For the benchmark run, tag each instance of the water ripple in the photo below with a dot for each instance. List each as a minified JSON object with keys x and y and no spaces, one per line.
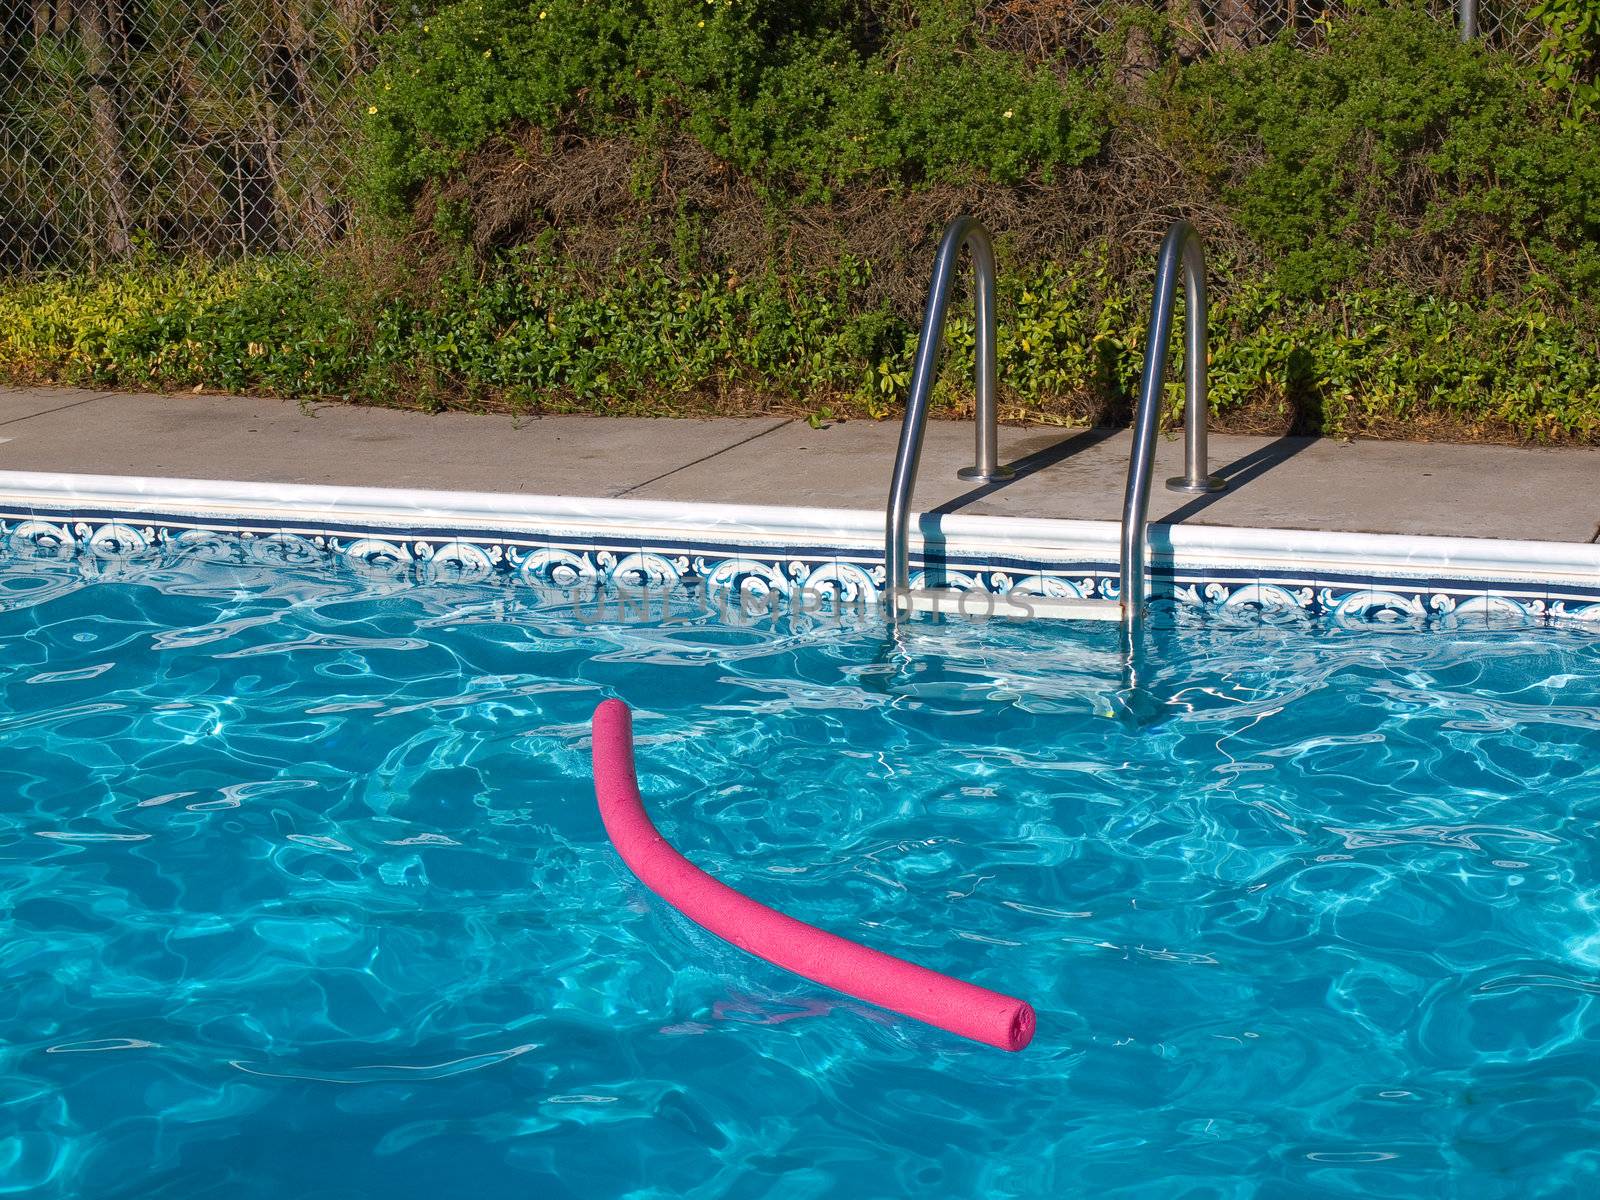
{"x":383,"y":1072}
{"x":1313,"y":912}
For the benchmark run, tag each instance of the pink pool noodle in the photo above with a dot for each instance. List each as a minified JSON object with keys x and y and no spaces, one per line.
{"x":892,"y":983}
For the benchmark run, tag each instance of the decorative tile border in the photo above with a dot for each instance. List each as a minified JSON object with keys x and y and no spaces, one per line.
{"x":560,"y":547}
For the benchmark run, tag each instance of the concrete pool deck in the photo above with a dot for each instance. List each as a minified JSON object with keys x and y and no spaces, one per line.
{"x":1542,"y":494}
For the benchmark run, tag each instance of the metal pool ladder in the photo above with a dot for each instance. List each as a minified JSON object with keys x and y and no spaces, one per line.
{"x":1180,"y":249}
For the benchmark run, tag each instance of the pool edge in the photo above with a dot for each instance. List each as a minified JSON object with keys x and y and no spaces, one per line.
{"x":563,"y":539}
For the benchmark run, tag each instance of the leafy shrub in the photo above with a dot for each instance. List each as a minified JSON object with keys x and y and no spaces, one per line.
{"x":1568,"y":62}
{"x":1397,"y":137}
{"x":277,"y":325}
{"x":780,"y":90}
{"x":1396,"y":150}
{"x":533,"y":336}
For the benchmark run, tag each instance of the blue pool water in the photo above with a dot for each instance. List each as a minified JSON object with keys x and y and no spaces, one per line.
{"x":303,"y":893}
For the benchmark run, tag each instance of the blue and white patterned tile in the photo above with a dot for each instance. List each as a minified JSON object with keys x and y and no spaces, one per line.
{"x":1515,"y":612}
{"x":1073,"y":579}
{"x":44,"y":536}
{"x":846,"y":589}
{"x":1276,"y":594}
{"x":858,"y":576}
{"x":1585,"y":616}
{"x":1574,"y":605}
{"x":1485,"y":604}
{"x":760,"y":586}
{"x":459,"y":560}
{"x":1379,"y":603}
{"x":293,"y":549}
{"x":186,"y":544}
{"x":1234,"y":590}
{"x":22,"y":533}
{"x":656,"y":583}
{"x":45,"y":562}
{"x":779,"y":575}
{"x":1454,"y":602}
{"x":1051,"y":583}
{"x":294,"y":540}
{"x":548,"y":567}
{"x":380,"y":557}
{"x":1359,"y":597}
{"x":1515,"y":605}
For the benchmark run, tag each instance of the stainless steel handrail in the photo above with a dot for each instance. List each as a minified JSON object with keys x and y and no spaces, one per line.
{"x":1180,"y":247}
{"x":962,"y":232}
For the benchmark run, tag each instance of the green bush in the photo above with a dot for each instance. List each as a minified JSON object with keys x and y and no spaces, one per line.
{"x":533,"y":336}
{"x":1396,"y":149}
{"x":1398,"y":134}
{"x":780,"y":90}
{"x":281,"y":326}
{"x":1568,"y":62}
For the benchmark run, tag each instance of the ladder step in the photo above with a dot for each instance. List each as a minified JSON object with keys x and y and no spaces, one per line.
{"x":984,"y":604}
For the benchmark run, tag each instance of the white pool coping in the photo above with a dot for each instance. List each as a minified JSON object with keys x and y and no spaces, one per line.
{"x":314,"y":508}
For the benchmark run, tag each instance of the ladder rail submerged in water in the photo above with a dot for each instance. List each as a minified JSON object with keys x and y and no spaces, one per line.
{"x":1180,"y":251}
{"x":962,"y":233}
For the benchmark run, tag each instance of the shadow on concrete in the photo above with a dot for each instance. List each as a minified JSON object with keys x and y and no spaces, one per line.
{"x":45,"y":412}
{"x":1032,"y":464}
{"x":1240,"y":472}
{"x":928,"y":523}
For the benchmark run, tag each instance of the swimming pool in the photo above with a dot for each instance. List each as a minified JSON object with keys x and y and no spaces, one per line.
{"x":303,"y":892}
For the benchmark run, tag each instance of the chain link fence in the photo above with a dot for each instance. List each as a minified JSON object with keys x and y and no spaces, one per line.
{"x":217,"y":127}
{"x":188,"y":126}
{"x":1075,"y":30}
